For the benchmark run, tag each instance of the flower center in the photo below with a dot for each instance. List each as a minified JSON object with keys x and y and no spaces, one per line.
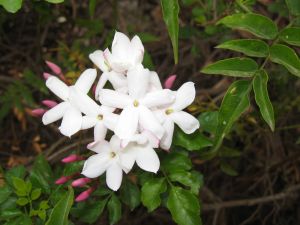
{"x":169,"y":111}
{"x":113,"y":154}
{"x":100,"y":117}
{"x":136,"y":103}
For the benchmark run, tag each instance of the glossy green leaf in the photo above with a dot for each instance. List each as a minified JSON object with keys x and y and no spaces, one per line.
{"x":170,"y":10}
{"x":184,"y":207}
{"x":294,"y":6}
{"x":193,"y":179}
{"x":59,"y":214}
{"x":55,"y":1}
{"x":19,"y":184}
{"x":151,"y":192}
{"x":260,"y":87}
{"x":11,"y":6}
{"x":209,"y":121}
{"x":36,"y":193}
{"x":235,"y":102}
{"x":287,"y":57}
{"x":114,"y":209}
{"x":191,"y":142}
{"x":256,"y":24}
{"x":22,"y":201}
{"x":5,"y":192}
{"x":130,"y":194}
{"x":250,"y":47}
{"x":176,"y":161}
{"x":291,"y":35}
{"x":235,"y":67}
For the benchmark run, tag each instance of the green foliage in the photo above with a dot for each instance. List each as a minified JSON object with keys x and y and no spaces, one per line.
{"x":114,"y":209}
{"x":291,"y":35}
{"x":294,"y":6}
{"x":130,"y":194}
{"x":236,"y":67}
{"x":170,"y":9}
{"x":11,"y":6}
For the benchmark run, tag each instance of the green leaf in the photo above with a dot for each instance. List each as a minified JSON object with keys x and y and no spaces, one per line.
{"x":19,"y":184}
{"x":6,"y":214}
{"x":250,"y":47}
{"x":20,"y":220}
{"x":114,"y":209}
{"x":44,"y":205}
{"x":193,"y":179}
{"x":41,"y":174}
{"x":229,"y":152}
{"x":5,"y":192}
{"x":256,"y":24}
{"x":228,"y":169}
{"x":55,"y":1}
{"x":176,"y":161}
{"x":130,"y":194}
{"x":209,"y":121}
{"x":18,"y":171}
{"x":191,"y":142}
{"x":92,"y":7}
{"x":60,"y":212}
{"x":89,"y":212}
{"x":22,"y":201}
{"x":291,"y":35}
{"x":235,"y":102}
{"x":184,"y":207}
{"x":11,"y":6}
{"x":170,"y":10}
{"x":236,"y":67}
{"x":151,"y":192}
{"x":287,"y":57}
{"x":36,"y":193}
{"x":42,"y":214}
{"x":260,"y":87}
{"x":294,"y":6}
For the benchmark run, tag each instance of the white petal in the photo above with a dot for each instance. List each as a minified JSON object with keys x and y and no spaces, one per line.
{"x":128,"y":123}
{"x":158,"y":98}
{"x":115,"y":143}
{"x":155,"y":81}
{"x":147,"y":159}
{"x":88,"y":122}
{"x":127,"y":159}
{"x":114,"y":175}
{"x":99,"y":146}
{"x":151,"y":138}
{"x":59,"y":88}
{"x":98,"y":59}
{"x":118,"y":80}
{"x":102,"y":81}
{"x":110,"y":120}
{"x":100,"y":131}
{"x":148,"y":121}
{"x":96,"y":165}
{"x":120,"y":45}
{"x":166,"y":141}
{"x":86,"y":80}
{"x":114,"y":99}
{"x":138,"y":82}
{"x":71,"y":122}
{"x":185,"y":121}
{"x":84,"y":103}
{"x":185,"y":95}
{"x":137,"y":49}
{"x":55,"y":113}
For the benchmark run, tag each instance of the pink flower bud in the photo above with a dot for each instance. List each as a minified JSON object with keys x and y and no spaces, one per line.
{"x":94,"y":90}
{"x":55,"y":68}
{"x":46,"y":75}
{"x":170,"y":81}
{"x":62,"y":179}
{"x":49,"y":103}
{"x":72,"y":158}
{"x":38,"y":112}
{"x":84,"y":195}
{"x":81,"y":182}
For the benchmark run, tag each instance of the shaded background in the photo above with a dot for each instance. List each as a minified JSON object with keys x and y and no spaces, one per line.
{"x":258,"y":184}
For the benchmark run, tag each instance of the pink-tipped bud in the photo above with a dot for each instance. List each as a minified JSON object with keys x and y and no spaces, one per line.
{"x":94,"y":90}
{"x":55,"y":68}
{"x":38,"y":112}
{"x":170,"y":81}
{"x":49,"y":103}
{"x":46,"y":75}
{"x":62,"y":180}
{"x":81,"y":182}
{"x":84,"y":195}
{"x":72,"y":158}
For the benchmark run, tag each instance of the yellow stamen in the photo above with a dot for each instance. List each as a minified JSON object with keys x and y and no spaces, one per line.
{"x":112,"y":154}
{"x":135,"y":103}
{"x":169,"y":111}
{"x":100,"y":117}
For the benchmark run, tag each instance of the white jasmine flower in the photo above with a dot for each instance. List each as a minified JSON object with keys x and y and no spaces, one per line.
{"x":185,"y":95}
{"x":72,"y":97}
{"x":137,"y":104}
{"x":110,"y":158}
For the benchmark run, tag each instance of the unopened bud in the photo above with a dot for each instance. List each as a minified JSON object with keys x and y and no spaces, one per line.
{"x":84,"y":195}
{"x":55,"y":68}
{"x":72,"y":158}
{"x":46,"y":75}
{"x":38,"y":112}
{"x":170,"y":81}
{"x":81,"y":182}
{"x":49,"y":103}
{"x":62,"y":180}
